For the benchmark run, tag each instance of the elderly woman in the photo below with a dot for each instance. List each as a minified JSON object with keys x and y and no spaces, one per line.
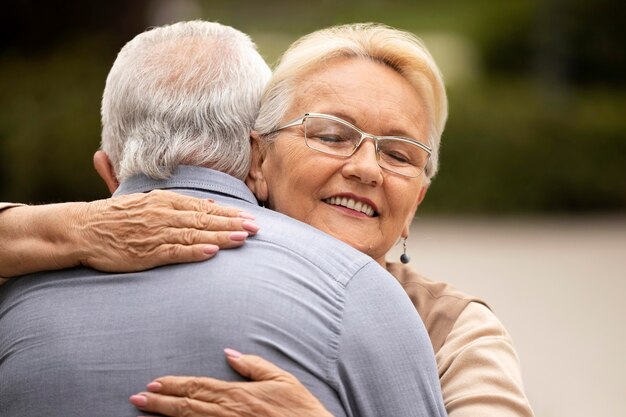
{"x":347,"y":141}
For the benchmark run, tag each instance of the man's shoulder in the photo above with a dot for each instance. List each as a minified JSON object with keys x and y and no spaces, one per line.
{"x":325,"y":252}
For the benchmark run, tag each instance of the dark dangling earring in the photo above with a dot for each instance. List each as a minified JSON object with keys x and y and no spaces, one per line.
{"x":404,"y":258}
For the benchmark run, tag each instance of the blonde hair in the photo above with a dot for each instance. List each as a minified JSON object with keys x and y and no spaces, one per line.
{"x":402,"y":51}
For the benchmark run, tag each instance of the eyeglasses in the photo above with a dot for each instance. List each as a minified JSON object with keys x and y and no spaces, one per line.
{"x":335,"y":136}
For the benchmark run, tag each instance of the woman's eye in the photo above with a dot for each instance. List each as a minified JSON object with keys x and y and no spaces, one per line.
{"x":398,"y":157}
{"x":330,"y":138}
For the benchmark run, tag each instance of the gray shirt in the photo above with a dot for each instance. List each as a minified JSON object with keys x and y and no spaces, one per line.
{"x":78,"y":342}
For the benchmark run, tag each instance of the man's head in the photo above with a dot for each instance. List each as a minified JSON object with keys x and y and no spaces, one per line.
{"x":186,"y":93}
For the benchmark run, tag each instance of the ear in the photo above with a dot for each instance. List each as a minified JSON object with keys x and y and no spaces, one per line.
{"x":418,"y":201}
{"x":256,"y":178}
{"x":103,"y":166}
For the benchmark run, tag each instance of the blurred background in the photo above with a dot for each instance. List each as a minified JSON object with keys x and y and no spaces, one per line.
{"x":528,"y":210}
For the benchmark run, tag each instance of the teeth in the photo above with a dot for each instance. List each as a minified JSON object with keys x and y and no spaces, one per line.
{"x":351,"y":204}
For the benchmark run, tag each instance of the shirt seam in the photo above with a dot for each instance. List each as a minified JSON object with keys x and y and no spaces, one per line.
{"x":333,"y":360}
{"x":331,"y":368}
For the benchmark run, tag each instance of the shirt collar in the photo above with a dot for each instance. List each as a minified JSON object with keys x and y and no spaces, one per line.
{"x":189,"y":177}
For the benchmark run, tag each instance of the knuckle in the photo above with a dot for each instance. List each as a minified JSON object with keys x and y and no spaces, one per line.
{"x":223,"y":240}
{"x":229,"y":211}
{"x":235,"y":223}
{"x":174,"y":251}
{"x":238,"y":394}
{"x":153,"y":195}
{"x":188,"y":236}
{"x":186,"y":407}
{"x":205,"y":206}
{"x":162,"y":198}
{"x":193,"y":388}
{"x":204,"y":221}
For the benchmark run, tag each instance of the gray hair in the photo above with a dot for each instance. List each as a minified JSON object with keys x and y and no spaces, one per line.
{"x":186,"y":93}
{"x":400,"y":50}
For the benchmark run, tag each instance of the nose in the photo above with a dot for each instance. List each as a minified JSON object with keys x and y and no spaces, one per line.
{"x":363,"y":165}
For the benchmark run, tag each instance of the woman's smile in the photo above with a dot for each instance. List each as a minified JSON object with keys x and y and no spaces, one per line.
{"x":353,"y":205}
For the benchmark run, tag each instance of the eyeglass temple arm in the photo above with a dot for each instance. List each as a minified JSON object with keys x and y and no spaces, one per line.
{"x":291,"y":123}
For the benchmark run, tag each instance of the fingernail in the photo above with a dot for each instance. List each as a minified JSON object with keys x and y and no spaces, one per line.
{"x":138,"y":400}
{"x":210,"y":249}
{"x":238,"y":236}
{"x":250,"y":226}
{"x":154,"y":386}
{"x":245,"y":215}
{"x":232,"y":353}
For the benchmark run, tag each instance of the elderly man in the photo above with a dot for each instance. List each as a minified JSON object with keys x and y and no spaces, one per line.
{"x":177,"y":110}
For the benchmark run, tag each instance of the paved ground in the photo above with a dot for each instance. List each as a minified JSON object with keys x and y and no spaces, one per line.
{"x":559,"y":286}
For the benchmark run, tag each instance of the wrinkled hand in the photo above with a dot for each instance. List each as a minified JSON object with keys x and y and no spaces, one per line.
{"x":141,"y":231}
{"x":272,"y":393}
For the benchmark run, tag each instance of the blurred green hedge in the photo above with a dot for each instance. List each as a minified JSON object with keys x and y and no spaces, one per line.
{"x":539,"y":127}
{"x":509,"y":148}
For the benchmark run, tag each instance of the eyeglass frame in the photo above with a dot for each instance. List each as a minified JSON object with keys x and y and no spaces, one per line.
{"x":364,"y":135}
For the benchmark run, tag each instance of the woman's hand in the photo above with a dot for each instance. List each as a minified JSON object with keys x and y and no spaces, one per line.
{"x":272,"y":393}
{"x":141,"y":231}
{"x":121,"y":234}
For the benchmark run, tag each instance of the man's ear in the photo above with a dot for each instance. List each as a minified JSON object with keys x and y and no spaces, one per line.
{"x":256,"y":178}
{"x":418,"y":201}
{"x":103,"y":166}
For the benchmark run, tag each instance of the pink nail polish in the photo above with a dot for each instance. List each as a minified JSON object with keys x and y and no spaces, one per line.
{"x":210,"y":249}
{"x":138,"y":400}
{"x":238,"y":236}
{"x":250,"y":226}
{"x":245,"y":215}
{"x":232,"y":353}
{"x":154,"y":386}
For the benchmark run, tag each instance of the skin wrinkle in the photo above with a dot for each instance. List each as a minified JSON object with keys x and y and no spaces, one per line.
{"x":318,"y":86}
{"x":375,"y":97}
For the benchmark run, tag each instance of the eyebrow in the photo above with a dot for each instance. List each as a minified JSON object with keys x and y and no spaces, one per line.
{"x":403,"y":134}
{"x":348,"y":118}
{"x":340,"y":115}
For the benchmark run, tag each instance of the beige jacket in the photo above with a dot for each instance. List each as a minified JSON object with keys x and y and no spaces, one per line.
{"x":478,"y":367}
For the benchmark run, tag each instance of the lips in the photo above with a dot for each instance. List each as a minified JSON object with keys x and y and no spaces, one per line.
{"x":352,"y":204}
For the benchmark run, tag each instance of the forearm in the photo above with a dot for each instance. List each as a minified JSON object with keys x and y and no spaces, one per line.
{"x":479,"y":349}
{"x":121,"y":234}
{"x":37,"y":238}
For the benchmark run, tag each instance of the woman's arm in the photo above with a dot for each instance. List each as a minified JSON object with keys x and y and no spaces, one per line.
{"x":121,"y":234}
{"x":272,"y":393}
{"x":480,"y":350}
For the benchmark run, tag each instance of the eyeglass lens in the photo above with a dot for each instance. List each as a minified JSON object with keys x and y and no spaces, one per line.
{"x":336,"y":138}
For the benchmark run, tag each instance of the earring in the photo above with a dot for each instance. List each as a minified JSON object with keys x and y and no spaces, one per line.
{"x":404,"y":258}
